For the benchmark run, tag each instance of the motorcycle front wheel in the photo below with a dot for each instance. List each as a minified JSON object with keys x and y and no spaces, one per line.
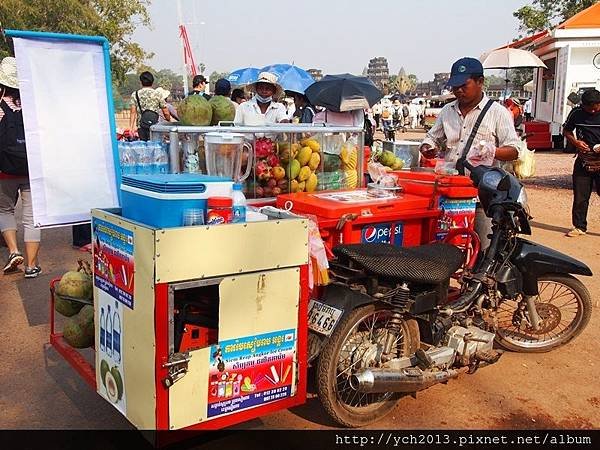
{"x":356,"y":343}
{"x":564,"y":306}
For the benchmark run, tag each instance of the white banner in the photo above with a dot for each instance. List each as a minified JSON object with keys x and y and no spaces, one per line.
{"x":67,"y":129}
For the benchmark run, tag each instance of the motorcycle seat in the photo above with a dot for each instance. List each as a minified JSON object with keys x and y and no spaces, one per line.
{"x":427,"y":264}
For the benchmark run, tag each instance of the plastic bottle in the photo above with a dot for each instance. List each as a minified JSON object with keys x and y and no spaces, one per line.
{"x":239,"y":204}
{"x":109,"y":326}
{"x":116,"y":335}
{"x":160,"y":158}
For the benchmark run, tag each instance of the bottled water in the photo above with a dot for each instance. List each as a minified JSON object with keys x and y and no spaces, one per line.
{"x":145,"y":156}
{"x":239,"y":204}
{"x":127,"y":158}
{"x":160,"y":158}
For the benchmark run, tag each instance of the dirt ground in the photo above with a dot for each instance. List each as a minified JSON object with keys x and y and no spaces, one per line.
{"x":523,"y":391}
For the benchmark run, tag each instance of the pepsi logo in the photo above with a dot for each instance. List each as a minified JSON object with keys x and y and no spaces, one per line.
{"x":370,"y":234}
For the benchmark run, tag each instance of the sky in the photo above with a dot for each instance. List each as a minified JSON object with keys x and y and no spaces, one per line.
{"x":336,"y":36}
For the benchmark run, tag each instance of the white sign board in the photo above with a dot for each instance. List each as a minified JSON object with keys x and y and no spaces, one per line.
{"x":68,"y":128}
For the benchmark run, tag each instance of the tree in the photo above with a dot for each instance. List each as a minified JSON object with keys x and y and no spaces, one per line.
{"x":545,"y":14}
{"x":114,"y":19}
{"x":212,"y":79}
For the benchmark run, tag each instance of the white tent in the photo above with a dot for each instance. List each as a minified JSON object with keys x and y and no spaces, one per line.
{"x":528,"y":87}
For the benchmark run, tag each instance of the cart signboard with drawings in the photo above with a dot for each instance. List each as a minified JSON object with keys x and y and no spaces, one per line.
{"x":251,"y":371}
{"x":456,"y":213}
{"x":111,"y":385}
{"x":113,"y":261}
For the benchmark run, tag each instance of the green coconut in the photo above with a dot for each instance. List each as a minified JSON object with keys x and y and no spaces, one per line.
{"x":75,"y":335}
{"x":66,"y":307}
{"x":104,"y":368}
{"x":75,"y":284}
{"x":118,"y":380}
{"x":85,"y":320}
{"x":195,"y":110}
{"x":222,"y":109}
{"x":112,"y":391}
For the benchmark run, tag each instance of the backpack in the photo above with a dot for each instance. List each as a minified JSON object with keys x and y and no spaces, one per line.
{"x":13,"y":154}
{"x":405,"y":111}
{"x":385,"y":114}
{"x":396,"y":115}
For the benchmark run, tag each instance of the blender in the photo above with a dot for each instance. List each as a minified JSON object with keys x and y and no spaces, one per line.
{"x":224,"y":155}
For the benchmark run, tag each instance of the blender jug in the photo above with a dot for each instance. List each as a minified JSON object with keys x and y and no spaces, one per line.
{"x":224,"y":155}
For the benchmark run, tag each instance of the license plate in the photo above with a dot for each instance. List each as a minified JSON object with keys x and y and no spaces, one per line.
{"x":322,"y":318}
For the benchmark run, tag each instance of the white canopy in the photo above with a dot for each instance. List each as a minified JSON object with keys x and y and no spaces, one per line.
{"x":510,"y":58}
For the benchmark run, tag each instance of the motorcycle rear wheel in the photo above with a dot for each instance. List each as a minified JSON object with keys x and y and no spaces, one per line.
{"x":563,"y":304}
{"x":347,"y":350}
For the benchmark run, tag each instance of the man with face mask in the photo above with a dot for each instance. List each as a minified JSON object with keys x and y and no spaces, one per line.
{"x":263,"y":107}
{"x":467,"y":121}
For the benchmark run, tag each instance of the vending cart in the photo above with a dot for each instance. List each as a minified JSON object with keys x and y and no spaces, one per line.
{"x":198,"y":327}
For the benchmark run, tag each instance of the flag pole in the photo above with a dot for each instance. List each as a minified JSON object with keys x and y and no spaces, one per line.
{"x":185,"y":74}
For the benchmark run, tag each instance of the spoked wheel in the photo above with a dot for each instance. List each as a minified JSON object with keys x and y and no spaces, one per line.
{"x":357,"y":343}
{"x":565,"y":308}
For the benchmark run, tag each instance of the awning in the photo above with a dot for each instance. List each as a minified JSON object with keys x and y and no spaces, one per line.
{"x":528,"y":87}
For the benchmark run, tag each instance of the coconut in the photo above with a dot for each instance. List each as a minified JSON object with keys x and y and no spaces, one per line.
{"x":195,"y":110}
{"x":222,"y":109}
{"x":75,"y":284}
{"x":118,"y":380}
{"x":85,"y":320}
{"x":75,"y":335}
{"x":103,"y":370}
{"x":112,"y":392}
{"x":66,"y":307}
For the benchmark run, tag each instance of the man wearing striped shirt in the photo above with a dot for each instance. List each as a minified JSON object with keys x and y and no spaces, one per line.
{"x":457,"y":119}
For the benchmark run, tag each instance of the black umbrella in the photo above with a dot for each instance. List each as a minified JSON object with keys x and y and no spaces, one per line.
{"x":343,"y":92}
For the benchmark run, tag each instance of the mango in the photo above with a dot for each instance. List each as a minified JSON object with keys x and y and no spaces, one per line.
{"x":293,"y":169}
{"x":278,"y":172}
{"x":294,"y":150}
{"x":301,"y":186}
{"x":314,"y":161}
{"x":304,"y":174}
{"x":311,"y":183}
{"x":294,"y":186}
{"x":314,"y":145}
{"x":304,"y":155}
{"x":398,"y":164}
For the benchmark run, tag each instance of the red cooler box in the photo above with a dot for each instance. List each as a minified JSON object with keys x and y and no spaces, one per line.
{"x":454,"y":195}
{"x":352,"y":217}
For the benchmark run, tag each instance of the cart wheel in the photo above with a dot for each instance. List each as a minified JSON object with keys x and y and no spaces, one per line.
{"x":468,"y":241}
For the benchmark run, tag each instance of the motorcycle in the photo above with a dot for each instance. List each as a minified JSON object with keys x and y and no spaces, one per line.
{"x":386,"y":327}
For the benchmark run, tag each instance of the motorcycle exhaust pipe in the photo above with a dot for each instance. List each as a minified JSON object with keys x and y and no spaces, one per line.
{"x":409,"y":379}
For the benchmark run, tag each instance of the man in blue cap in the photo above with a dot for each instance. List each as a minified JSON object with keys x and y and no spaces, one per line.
{"x":467,"y":121}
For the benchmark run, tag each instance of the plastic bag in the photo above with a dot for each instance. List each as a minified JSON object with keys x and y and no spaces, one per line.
{"x":482,"y":154}
{"x":524,"y":167}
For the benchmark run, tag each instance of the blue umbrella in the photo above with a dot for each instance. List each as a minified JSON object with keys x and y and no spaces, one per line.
{"x":296,"y":80}
{"x":277,"y":69}
{"x":243,"y":76}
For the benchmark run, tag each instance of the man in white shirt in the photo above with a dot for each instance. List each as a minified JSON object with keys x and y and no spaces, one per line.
{"x":413,"y":114}
{"x":263,"y":107}
{"x":457,"y":119}
{"x":527,"y":108}
{"x":377,"y":113}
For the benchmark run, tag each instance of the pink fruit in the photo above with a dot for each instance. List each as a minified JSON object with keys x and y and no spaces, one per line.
{"x":260,"y":192}
{"x":263,"y":170}
{"x":263,"y":147}
{"x":276,"y":191}
{"x":272,"y":183}
{"x":282,"y":184}
{"x":267,"y":191}
{"x":273,"y":160}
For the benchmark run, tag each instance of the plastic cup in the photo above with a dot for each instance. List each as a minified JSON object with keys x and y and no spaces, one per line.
{"x":193,"y":217}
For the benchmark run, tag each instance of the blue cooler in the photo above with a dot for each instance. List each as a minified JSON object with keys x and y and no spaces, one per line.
{"x":159,"y":200}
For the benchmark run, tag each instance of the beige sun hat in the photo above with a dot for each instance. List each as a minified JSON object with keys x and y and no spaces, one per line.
{"x":8,"y":72}
{"x":269,"y":78}
{"x":162,"y":92}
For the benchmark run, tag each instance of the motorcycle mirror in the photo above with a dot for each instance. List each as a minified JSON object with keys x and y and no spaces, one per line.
{"x":504,"y":184}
